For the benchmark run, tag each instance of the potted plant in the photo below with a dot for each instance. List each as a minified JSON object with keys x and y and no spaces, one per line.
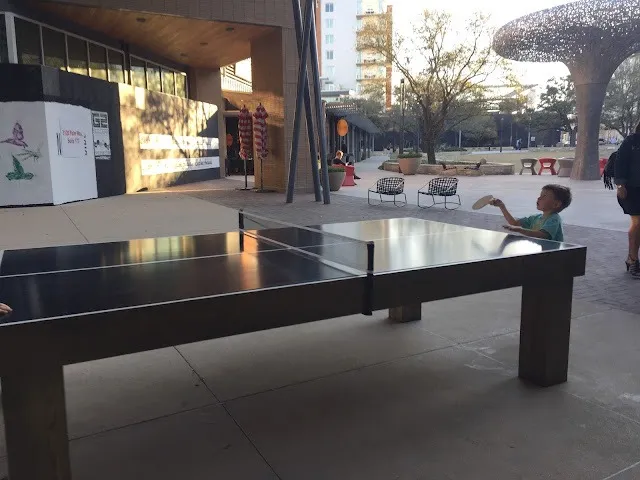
{"x":409,"y":162}
{"x":336,"y":177}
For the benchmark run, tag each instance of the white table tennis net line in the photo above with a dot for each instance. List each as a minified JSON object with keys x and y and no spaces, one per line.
{"x":339,"y":266}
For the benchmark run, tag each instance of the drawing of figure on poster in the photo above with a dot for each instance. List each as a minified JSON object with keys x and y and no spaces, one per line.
{"x":20,"y":152}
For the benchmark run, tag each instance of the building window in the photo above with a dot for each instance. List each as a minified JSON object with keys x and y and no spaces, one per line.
{"x":116,"y":66}
{"x":328,"y":23}
{"x":138,"y":73}
{"x":78,"y":62}
{"x":98,"y":61}
{"x":328,"y":39}
{"x":4,"y":47}
{"x":55,"y":48}
{"x":168,"y":82}
{"x":331,"y":70}
{"x":328,"y":7}
{"x":329,"y":54}
{"x":154,"y":80}
{"x":28,"y":42}
{"x":181,"y":85}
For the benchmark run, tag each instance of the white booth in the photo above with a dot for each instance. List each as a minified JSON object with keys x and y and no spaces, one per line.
{"x":47,"y":154}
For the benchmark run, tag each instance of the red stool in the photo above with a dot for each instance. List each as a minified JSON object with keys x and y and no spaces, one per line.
{"x":547,"y":164}
{"x":349,"y":180}
{"x":602,"y":163}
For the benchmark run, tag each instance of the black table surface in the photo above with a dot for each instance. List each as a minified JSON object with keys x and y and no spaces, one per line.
{"x":54,"y":282}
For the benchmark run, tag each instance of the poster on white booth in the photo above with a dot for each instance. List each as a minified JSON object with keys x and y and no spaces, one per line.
{"x":72,"y":135}
{"x":101,"y":141}
{"x":73,"y":166}
{"x":25,"y":174}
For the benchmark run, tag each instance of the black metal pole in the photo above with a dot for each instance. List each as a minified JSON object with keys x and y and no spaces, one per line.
{"x":315,"y":69}
{"x":401,"y":151}
{"x":297,"y":16}
{"x":302,"y":77}
{"x":501,"y":130}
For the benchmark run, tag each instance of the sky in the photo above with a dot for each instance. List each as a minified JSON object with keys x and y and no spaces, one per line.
{"x":501,"y":11}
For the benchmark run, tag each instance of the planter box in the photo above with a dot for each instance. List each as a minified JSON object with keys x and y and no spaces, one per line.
{"x":391,"y":167}
{"x":335,"y":180}
{"x":457,"y":168}
{"x":409,"y":166}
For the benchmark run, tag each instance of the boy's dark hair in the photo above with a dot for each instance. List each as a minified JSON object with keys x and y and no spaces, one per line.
{"x":561,"y":194}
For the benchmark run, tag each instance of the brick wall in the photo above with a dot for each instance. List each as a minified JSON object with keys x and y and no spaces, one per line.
{"x":142,"y":111}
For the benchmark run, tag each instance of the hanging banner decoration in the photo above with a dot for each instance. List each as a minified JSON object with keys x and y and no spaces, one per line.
{"x":260,"y":132}
{"x":342,"y":127}
{"x":245,"y":131}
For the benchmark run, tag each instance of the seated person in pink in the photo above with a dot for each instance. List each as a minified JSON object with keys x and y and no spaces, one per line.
{"x":338,"y":161}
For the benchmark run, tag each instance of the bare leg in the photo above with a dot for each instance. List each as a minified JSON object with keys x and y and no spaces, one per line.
{"x":634,"y":237}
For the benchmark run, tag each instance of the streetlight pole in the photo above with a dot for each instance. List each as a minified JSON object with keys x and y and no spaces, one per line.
{"x":401,"y":151}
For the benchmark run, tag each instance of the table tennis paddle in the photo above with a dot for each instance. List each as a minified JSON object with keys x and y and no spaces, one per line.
{"x":482,"y":202}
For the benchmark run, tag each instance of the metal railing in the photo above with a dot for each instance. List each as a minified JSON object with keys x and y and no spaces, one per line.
{"x":232,"y":83}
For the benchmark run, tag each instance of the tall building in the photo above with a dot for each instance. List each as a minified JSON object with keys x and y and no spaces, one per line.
{"x":344,"y":67}
{"x":338,"y":41}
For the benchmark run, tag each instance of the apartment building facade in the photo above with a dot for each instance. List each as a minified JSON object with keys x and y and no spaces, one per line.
{"x":344,"y":66}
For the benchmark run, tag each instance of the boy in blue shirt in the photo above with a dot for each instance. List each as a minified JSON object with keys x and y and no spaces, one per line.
{"x":546,"y":225}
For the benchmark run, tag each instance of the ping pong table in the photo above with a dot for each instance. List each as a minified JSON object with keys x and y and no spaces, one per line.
{"x":84,"y":302}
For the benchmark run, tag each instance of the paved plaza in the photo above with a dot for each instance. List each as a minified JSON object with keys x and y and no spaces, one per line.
{"x":358,"y":397}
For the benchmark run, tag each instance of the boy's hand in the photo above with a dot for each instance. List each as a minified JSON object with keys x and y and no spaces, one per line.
{"x":512,"y":228}
{"x":4,"y":309}
{"x":496,"y":202}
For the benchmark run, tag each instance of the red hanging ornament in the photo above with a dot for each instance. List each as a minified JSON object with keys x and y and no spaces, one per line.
{"x":245,"y":132}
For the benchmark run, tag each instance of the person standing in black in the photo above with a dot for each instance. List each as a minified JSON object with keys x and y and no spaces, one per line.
{"x":627,"y":179}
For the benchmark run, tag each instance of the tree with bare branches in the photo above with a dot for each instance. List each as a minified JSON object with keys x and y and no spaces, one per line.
{"x":445,"y":70}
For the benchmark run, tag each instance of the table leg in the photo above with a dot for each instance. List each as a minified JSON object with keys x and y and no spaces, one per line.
{"x":545,"y":327}
{"x":36,"y":424}
{"x":406,"y":313}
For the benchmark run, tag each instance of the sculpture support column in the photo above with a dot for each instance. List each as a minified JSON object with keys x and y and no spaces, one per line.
{"x":589,"y":101}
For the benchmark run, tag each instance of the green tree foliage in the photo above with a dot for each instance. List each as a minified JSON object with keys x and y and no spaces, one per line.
{"x":621,"y":110}
{"x":444,"y":70}
{"x":558,"y":102}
